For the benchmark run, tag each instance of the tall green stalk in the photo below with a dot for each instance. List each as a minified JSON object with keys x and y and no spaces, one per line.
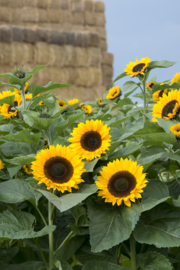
{"x":51,"y":242}
{"x":133,"y":252}
{"x":23,"y":98}
{"x":144,"y":93}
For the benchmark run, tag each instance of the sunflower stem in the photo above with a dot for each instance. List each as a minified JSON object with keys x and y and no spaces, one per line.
{"x":69,"y":235}
{"x":144,"y":93}
{"x":23,"y":98}
{"x":51,"y":245}
{"x":42,"y":255}
{"x":133,"y":252}
{"x":45,"y":223}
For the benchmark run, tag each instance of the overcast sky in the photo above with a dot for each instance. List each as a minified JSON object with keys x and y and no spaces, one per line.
{"x":143,"y":28}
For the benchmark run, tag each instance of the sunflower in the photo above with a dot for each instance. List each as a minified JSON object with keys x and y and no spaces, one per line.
{"x":26,"y":86}
{"x":7,"y":93}
{"x":138,"y":67}
{"x":46,"y":145}
{"x":100,"y":102}
{"x":90,"y":139}
{"x":88,"y":109}
{"x":175,"y":129}
{"x":62,"y":103}
{"x":41,"y":103}
{"x":176,"y":78}
{"x":16,"y":91}
{"x":150,"y":85}
{"x":121,"y":181}
{"x":27,"y":169}
{"x":73,"y":101}
{"x":28,"y":96}
{"x":113,"y":93}
{"x":167,"y":106}
{"x":59,"y":168}
{"x":8,"y":111}
{"x":1,"y":165}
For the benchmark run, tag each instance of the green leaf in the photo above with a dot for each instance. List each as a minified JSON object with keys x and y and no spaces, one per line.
{"x":122,"y":75}
{"x":7,"y":254}
{"x":23,"y":160}
{"x":6,"y":74}
{"x":18,"y":148}
{"x":25,"y":266}
{"x":62,"y":141}
{"x":7,"y":100}
{"x":122,"y":102}
{"x":16,"y":191}
{"x":15,"y":80}
{"x":89,"y":165}
{"x":160,"y":64}
{"x":166,"y":124}
{"x":8,"y":84}
{"x":154,"y":193}
{"x":34,"y":70}
{"x":70,"y":120}
{"x":18,"y":225}
{"x":153,"y":261}
{"x":110,"y":225}
{"x":149,"y":160}
{"x":13,"y":170}
{"x":101,"y":265}
{"x":159,"y":227}
{"x":117,"y":122}
{"x":68,"y":201}
{"x":124,"y":152}
{"x":36,"y":89}
{"x":23,"y":136}
{"x":129,"y":85}
{"x":63,"y":265}
{"x":36,"y":121}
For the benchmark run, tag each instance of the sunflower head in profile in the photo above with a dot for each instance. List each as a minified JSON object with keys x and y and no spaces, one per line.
{"x":62,"y":103}
{"x":121,"y":181}
{"x":113,"y":93}
{"x":1,"y":165}
{"x":167,"y":106}
{"x":100,"y":102}
{"x":150,"y":85}
{"x":138,"y":67}
{"x":175,"y":129}
{"x":87,"y":108}
{"x":176,"y":78}
{"x":158,"y":94}
{"x":73,"y":101}
{"x":90,"y":139}
{"x":8,"y":111}
{"x":27,"y":169}
{"x":28,"y":96}
{"x":26,"y":86}
{"x":58,"y":168}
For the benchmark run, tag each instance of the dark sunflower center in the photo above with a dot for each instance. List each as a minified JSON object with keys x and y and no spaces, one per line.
{"x":138,"y":67}
{"x":151,"y":85}
{"x":161,"y":93}
{"x":121,"y":184}
{"x":168,"y":108}
{"x":91,"y":141}
{"x":58,"y":169}
{"x":10,"y":109}
{"x":15,"y":103}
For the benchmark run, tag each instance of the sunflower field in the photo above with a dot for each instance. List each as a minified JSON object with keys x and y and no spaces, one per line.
{"x":94,"y":185}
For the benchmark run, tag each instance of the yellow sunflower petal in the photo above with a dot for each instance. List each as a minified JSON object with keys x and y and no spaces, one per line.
{"x":138,"y":67}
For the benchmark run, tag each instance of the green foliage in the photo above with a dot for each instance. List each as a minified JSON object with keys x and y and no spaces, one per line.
{"x":19,"y":225}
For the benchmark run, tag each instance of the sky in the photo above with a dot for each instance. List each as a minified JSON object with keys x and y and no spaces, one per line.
{"x":143,"y":28}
